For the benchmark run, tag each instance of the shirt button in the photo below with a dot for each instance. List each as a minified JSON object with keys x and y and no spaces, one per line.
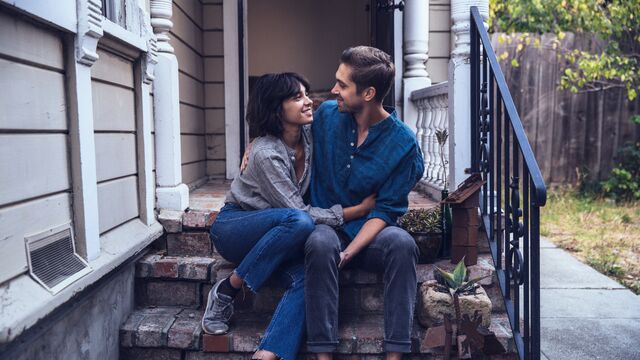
{"x":293,"y":158}
{"x":353,"y":130}
{"x":351,"y":144}
{"x":351,"y":156}
{"x":348,"y":166}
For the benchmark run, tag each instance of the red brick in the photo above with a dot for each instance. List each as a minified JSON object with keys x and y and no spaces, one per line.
{"x":216,"y":343}
{"x":211,"y":218}
{"x":145,"y":354}
{"x":189,"y":244}
{"x":349,"y":300}
{"x":152,"y":331}
{"x":171,"y":293}
{"x":194,"y":268}
{"x":184,"y":334}
{"x":166,"y":268}
{"x":369,"y":336}
{"x":470,"y":254}
{"x":372,"y":299}
{"x":195,"y":220}
{"x":129,"y":328}
{"x":171,"y":220}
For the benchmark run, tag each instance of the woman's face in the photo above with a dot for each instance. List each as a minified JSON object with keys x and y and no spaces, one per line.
{"x":297,"y":110}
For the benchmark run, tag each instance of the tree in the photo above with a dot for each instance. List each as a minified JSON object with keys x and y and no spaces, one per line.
{"x":616,"y":22}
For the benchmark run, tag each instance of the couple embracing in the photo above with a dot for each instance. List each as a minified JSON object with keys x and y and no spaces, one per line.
{"x":320,"y":192}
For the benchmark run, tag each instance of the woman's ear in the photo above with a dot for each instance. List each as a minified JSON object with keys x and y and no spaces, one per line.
{"x":369,"y":93}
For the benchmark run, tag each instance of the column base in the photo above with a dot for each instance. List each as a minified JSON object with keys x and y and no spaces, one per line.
{"x":173,"y":198}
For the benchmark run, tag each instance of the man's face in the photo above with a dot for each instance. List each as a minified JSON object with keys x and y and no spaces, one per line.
{"x":349,"y":100}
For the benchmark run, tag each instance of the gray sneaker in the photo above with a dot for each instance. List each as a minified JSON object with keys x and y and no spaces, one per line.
{"x":218,"y":312}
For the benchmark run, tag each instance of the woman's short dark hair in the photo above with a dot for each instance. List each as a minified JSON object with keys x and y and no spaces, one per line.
{"x":264,"y":110}
{"x":370,"y":67}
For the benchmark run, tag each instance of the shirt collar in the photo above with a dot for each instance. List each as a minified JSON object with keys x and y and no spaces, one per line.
{"x":382,"y":124}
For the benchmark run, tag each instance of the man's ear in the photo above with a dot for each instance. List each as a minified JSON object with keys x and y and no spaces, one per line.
{"x":369,"y":93}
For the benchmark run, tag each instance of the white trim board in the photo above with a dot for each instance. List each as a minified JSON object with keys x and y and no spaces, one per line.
{"x":231,"y":87}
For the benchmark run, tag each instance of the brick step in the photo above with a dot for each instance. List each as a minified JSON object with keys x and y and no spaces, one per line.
{"x":175,"y":333}
{"x":185,"y":281}
{"x":188,"y":233}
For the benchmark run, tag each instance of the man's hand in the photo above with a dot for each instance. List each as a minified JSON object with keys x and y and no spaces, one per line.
{"x":245,"y":157}
{"x":345,"y":257}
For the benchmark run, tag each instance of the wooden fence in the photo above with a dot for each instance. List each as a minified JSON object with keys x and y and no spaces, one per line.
{"x":569,"y":133}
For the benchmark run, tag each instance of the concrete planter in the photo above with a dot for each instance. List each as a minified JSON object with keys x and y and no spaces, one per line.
{"x":429,"y":245}
{"x":434,"y":304}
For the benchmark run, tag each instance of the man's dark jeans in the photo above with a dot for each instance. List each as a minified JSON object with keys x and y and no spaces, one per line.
{"x":392,"y":252}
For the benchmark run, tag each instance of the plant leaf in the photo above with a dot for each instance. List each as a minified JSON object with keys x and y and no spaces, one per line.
{"x":448,"y":277}
{"x":472,"y":282}
{"x":460,"y":272}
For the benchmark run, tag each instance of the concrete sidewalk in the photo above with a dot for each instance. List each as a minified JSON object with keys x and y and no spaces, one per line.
{"x":584,"y":314}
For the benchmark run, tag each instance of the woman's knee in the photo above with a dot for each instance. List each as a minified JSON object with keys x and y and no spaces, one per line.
{"x":301,"y":222}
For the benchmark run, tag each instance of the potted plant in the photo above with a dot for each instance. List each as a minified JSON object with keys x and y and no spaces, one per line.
{"x":425,"y":225}
{"x":452,"y":294}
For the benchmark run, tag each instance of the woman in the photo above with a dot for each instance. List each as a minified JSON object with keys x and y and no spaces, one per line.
{"x":265,"y":223}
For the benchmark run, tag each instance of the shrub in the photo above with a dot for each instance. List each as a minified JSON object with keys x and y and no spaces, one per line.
{"x":624,"y":182}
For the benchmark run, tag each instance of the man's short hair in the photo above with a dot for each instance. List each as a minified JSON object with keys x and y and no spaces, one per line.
{"x":370,"y":67}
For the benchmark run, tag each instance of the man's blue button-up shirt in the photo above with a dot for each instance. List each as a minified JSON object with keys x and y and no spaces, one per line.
{"x":388,"y":163}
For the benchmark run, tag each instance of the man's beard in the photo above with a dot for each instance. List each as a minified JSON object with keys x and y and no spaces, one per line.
{"x":349,"y":109}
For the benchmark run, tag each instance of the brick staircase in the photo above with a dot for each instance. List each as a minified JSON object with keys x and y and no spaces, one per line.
{"x":173,"y":280}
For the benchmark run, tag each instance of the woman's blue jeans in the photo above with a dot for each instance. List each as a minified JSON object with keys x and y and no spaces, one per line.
{"x":266,"y":243}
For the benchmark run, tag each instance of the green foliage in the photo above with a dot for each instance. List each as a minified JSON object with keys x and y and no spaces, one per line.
{"x":458,"y":281}
{"x":421,"y":221}
{"x":615,"y":22}
{"x":606,"y":262}
{"x":624,"y":182}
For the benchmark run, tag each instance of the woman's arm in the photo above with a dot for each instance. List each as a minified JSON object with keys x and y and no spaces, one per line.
{"x":360,"y":210}
{"x":277,"y":187}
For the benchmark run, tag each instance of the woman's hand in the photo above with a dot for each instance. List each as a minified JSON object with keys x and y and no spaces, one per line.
{"x":368,"y":203}
{"x":245,"y":157}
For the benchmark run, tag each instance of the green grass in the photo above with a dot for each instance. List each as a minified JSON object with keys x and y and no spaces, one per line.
{"x":598,"y":231}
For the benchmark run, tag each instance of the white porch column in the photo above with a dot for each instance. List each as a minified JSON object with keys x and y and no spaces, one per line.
{"x":171,"y":192}
{"x":83,"y":155}
{"x":459,"y":89}
{"x":416,"y":48}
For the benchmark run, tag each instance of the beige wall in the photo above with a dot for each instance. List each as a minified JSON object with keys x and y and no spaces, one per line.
{"x":214,"y":88}
{"x":305,"y":36}
{"x":197,"y":39}
{"x":114,"y":119}
{"x":34,"y":154}
{"x":439,"y":40}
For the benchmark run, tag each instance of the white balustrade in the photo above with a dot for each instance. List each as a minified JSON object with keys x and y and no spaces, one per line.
{"x":432,"y":104}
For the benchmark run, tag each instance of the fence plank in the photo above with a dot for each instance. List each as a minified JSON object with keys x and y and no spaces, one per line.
{"x":569,"y":132}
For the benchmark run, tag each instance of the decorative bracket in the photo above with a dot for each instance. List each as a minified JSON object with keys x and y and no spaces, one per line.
{"x":89,"y":31}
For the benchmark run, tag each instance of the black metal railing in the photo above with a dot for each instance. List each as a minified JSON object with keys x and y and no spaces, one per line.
{"x":513,"y":193}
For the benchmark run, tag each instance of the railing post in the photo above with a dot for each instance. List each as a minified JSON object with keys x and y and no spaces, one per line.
{"x":171,"y":192}
{"x":416,"y":49}
{"x":459,"y":89}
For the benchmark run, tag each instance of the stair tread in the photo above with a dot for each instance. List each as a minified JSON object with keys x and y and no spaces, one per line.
{"x":175,"y":327}
{"x":159,"y":266}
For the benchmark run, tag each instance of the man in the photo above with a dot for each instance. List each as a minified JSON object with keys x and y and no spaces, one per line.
{"x":362,"y":148}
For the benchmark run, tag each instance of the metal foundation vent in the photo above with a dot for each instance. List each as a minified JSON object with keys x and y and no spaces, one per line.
{"x":53,"y":261}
